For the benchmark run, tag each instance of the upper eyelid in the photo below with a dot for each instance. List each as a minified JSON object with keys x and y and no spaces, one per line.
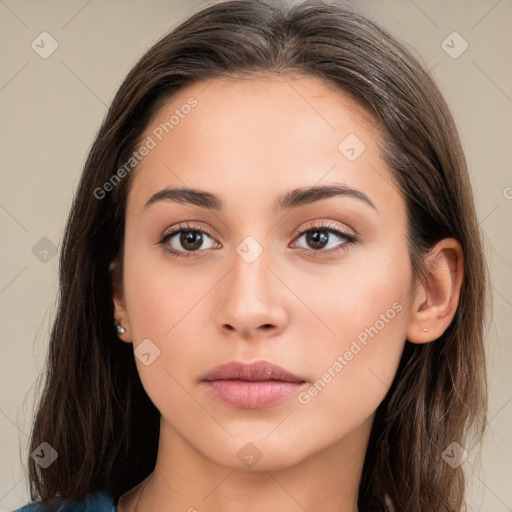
{"x":328,"y":226}
{"x":322,"y":224}
{"x":185,"y":226}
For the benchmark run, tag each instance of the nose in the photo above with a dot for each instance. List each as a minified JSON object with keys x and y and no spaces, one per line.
{"x":252,"y":300}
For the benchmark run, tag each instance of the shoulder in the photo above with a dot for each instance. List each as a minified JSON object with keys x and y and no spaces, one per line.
{"x":100,"y":501}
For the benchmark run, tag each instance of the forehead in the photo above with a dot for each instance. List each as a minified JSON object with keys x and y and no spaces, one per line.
{"x":261,"y":134}
{"x":268,"y":105}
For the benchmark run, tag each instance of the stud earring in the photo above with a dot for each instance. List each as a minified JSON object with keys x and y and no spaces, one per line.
{"x":120,"y":329}
{"x":424,"y":330}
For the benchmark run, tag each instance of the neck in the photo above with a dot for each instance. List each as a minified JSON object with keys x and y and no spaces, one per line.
{"x":185,"y":479}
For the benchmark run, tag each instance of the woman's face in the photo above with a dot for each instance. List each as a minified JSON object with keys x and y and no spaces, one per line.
{"x":330,"y":305}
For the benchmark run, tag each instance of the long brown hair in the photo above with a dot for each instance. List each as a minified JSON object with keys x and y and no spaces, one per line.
{"x":93,"y":409}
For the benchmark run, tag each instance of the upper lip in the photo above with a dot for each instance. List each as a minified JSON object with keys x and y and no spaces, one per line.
{"x":256,"y":372}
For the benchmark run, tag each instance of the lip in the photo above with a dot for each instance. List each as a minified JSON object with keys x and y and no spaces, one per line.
{"x":251,"y":386}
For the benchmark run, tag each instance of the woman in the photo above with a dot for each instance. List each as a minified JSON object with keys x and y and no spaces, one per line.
{"x":272,"y":281}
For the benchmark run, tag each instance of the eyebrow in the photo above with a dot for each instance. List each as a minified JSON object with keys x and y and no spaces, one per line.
{"x":289,"y":200}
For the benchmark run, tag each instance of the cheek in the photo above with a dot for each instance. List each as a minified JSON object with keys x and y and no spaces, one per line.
{"x":162,"y":306}
{"x":160,"y":294}
{"x":355,"y":364}
{"x":166,"y":304}
{"x":350,"y":347}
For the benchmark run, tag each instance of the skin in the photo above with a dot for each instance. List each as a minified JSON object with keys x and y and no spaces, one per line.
{"x":249,"y":142}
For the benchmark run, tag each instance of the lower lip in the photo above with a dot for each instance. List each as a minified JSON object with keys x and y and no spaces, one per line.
{"x":252,"y":395}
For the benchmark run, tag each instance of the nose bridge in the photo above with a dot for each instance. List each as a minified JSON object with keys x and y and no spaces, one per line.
{"x":251,"y":297}
{"x":250,"y":278}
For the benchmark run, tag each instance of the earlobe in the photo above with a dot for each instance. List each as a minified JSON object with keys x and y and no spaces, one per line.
{"x":437,"y":297}
{"x":121,"y":321}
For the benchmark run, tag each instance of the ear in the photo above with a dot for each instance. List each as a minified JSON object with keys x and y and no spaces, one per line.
{"x":120,"y":312}
{"x":437,"y":297}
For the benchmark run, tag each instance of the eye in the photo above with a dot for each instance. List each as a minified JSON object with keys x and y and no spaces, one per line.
{"x":186,"y":240}
{"x":325,"y":238}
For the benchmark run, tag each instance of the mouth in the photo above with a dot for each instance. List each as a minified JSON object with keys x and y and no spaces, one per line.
{"x":251,"y":386}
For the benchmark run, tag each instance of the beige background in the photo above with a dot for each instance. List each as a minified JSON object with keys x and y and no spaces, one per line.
{"x":51,"y":109}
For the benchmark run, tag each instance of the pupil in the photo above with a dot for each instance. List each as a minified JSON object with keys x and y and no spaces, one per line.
{"x":317,"y":239}
{"x":191,"y":240}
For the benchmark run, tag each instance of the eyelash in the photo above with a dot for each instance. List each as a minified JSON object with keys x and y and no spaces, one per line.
{"x":328,"y":227}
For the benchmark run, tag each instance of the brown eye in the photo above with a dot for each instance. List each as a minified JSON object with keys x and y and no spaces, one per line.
{"x":191,"y":240}
{"x":184,"y":241}
{"x":188,"y":240}
{"x":325,"y":240}
{"x":317,"y":239}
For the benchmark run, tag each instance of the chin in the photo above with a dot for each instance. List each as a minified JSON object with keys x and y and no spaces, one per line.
{"x":255,"y":453}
